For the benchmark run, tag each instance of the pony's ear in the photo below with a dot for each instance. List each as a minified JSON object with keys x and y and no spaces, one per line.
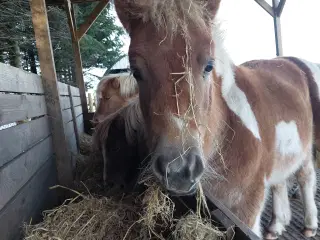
{"x":123,"y":13}
{"x":115,"y":83}
{"x":213,"y":6}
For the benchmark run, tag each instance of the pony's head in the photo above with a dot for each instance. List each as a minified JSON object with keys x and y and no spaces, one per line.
{"x":113,"y":92}
{"x":172,"y":57}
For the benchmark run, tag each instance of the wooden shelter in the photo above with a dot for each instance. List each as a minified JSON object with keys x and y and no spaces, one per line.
{"x":39,"y":153}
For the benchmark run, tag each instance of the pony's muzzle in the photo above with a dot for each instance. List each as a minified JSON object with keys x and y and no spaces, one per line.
{"x":179,"y":174}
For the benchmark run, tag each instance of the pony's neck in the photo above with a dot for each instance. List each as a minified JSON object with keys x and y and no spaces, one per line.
{"x":235,"y":99}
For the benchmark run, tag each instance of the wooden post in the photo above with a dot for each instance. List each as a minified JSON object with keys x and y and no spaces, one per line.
{"x":50,"y":83}
{"x":275,"y":11}
{"x":277,"y":27}
{"x":77,"y":55}
{"x":74,"y":119}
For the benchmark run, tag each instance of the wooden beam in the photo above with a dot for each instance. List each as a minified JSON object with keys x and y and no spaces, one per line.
{"x":242,"y":230}
{"x":77,"y":56}
{"x":277,"y":28}
{"x":84,"y":27}
{"x":50,"y":83}
{"x":72,"y":27}
{"x":265,"y":6}
{"x":280,"y":7}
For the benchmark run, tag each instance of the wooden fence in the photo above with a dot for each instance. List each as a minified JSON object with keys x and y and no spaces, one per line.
{"x":27,"y":158}
{"x":72,"y":115}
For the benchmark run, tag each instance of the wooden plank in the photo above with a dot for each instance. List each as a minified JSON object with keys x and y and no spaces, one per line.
{"x":80,"y":124}
{"x":69,"y":129}
{"x":50,"y":84}
{"x":14,"y":107}
{"x":65,"y":102}
{"x":77,"y":57}
{"x":63,"y":89}
{"x":84,"y":27}
{"x":74,"y":116}
{"x":76,"y":101}
{"x":72,"y":144}
{"x":265,"y":6}
{"x":226,"y":222}
{"x":243,"y":230}
{"x":74,"y":91}
{"x":77,"y":111}
{"x":222,"y":218}
{"x":16,"y":80}
{"x":67,"y":115}
{"x":18,"y":139}
{"x":14,"y":175}
{"x":34,"y":197}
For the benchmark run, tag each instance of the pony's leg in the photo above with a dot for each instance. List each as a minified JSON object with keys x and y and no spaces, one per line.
{"x":307,"y":180}
{"x":250,"y":209}
{"x":281,"y":214}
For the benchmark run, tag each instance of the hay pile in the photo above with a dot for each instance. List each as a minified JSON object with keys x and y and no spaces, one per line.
{"x":85,"y":142}
{"x":149,"y":215}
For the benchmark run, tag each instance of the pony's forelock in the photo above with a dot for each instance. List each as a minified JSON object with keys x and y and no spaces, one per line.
{"x":128,"y":85}
{"x":175,"y":15}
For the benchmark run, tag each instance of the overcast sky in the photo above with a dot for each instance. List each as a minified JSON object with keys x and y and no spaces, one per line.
{"x":249,"y":30}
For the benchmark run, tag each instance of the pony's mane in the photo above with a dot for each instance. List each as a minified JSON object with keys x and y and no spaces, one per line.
{"x":130,"y":116}
{"x":128,"y":84}
{"x":176,"y":15}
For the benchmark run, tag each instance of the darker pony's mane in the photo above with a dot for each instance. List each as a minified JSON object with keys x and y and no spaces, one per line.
{"x":130,"y":116}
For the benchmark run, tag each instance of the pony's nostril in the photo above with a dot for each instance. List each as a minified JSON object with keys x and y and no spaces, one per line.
{"x":195,"y":167}
{"x":198,"y":167}
{"x":160,"y":166}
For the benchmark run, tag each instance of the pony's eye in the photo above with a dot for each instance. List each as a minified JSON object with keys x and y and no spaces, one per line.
{"x":209,"y":66}
{"x":137,"y":74}
{"x":107,"y":98}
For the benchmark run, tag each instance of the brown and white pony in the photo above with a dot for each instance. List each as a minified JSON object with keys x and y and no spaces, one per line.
{"x":237,"y":130}
{"x":113,"y":92}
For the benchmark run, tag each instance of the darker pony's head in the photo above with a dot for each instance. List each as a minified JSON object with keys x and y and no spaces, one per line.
{"x":112,"y":94}
{"x":171,"y":56}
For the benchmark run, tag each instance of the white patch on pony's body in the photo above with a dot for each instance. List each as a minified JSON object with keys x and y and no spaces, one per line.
{"x":232,"y":94}
{"x":315,"y":69}
{"x":288,"y":141}
{"x":288,"y":146}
